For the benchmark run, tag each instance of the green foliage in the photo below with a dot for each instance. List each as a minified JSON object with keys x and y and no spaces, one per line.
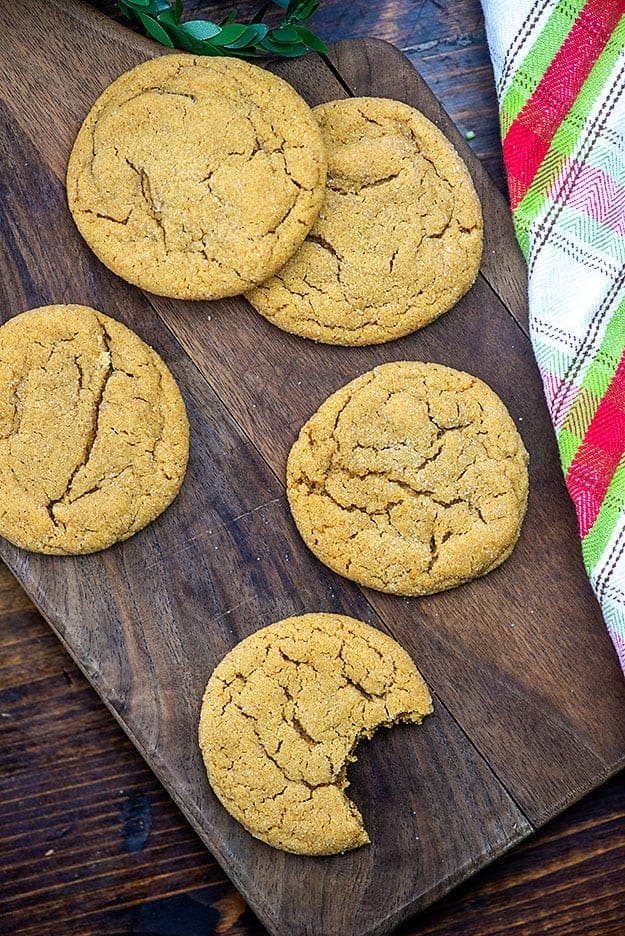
{"x":162,"y":21}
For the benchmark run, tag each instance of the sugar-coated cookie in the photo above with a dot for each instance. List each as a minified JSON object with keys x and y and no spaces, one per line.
{"x":410,"y":479}
{"x":196,"y":177}
{"x":282,"y":714}
{"x":94,"y":437}
{"x":398,"y":239}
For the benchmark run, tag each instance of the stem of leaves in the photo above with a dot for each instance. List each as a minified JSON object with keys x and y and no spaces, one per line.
{"x":162,"y":21}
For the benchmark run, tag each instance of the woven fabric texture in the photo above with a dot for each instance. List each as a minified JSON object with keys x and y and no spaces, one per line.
{"x":560,"y":72}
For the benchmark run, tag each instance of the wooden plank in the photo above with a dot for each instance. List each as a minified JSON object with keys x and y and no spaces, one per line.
{"x":568,"y":877}
{"x":147,"y":621}
{"x":502,"y":635}
{"x":225,"y":559}
{"x":543,"y":584}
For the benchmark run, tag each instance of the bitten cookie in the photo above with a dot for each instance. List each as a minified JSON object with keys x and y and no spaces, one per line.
{"x":411,"y":479}
{"x":196,"y":177}
{"x":398,"y":239}
{"x":94,"y":437}
{"x":282,"y":714}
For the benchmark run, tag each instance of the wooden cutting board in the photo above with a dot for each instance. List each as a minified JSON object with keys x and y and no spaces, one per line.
{"x":529,"y":700}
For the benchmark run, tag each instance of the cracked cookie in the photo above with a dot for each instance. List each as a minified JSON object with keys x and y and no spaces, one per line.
{"x":196,"y":178}
{"x":282,"y":714}
{"x":411,"y":479}
{"x":94,"y":437}
{"x":398,"y":239}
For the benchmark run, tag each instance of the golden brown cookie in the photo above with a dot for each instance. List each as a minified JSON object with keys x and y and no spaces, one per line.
{"x":410,"y":479}
{"x":398,"y":239}
{"x":94,"y":437}
{"x":196,"y":177}
{"x":282,"y":714}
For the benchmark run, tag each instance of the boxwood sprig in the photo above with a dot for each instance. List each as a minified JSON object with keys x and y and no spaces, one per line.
{"x":162,"y":21}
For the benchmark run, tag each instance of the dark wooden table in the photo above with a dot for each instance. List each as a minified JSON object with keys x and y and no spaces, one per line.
{"x":114,"y":855}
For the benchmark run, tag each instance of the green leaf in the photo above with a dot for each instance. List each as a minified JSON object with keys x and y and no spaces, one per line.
{"x":232,"y":15}
{"x":161,"y":19}
{"x":170,"y":15}
{"x":284,"y":35}
{"x":159,"y":6}
{"x":155,"y":30}
{"x":312,"y":41}
{"x":201,"y":29}
{"x":260,"y":13}
{"x":168,"y":18}
{"x":260,"y":29}
{"x":286,"y":51}
{"x":247,"y":38}
{"x":207,"y":48}
{"x":151,"y":7}
{"x":181,"y":39}
{"x":301,"y":9}
{"x":230,"y":33}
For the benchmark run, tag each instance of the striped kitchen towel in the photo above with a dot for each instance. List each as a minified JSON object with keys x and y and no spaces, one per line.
{"x":560,"y":72}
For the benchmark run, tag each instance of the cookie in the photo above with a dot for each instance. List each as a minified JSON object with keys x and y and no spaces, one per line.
{"x":282,"y":714}
{"x":411,"y":479}
{"x":94,"y":437}
{"x":196,"y":178}
{"x":398,"y":239}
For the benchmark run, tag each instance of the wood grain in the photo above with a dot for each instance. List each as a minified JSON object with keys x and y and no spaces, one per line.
{"x":224,"y":560}
{"x":65,"y":759}
{"x":236,"y":521}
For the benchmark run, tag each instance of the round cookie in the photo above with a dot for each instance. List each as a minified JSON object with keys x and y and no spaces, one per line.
{"x":196,"y":177}
{"x":398,"y":239}
{"x":94,"y":437}
{"x":411,"y":479}
{"x":282,"y":714}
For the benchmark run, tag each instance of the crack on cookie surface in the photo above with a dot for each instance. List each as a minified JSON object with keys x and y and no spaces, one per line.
{"x":92,"y":431}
